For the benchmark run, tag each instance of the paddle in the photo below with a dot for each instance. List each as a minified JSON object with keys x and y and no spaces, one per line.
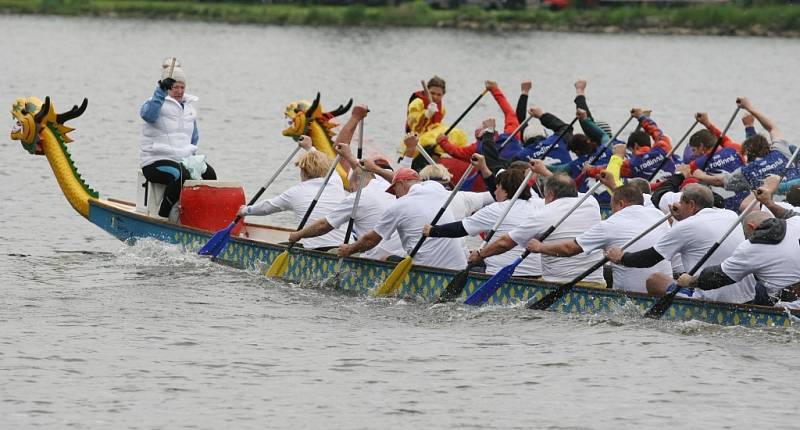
{"x":661,"y":306}
{"x":721,"y":139}
{"x":466,"y":111}
{"x":552,"y":297}
{"x":217,"y":243}
{"x":610,"y":142}
{"x":453,"y":125}
{"x":456,"y":285}
{"x":604,"y":148}
{"x":519,"y":127}
{"x":488,"y":288}
{"x":281,"y":264}
{"x":360,"y":186}
{"x":351,"y":222}
{"x":171,"y":66}
{"x":395,"y":279}
{"x":671,"y":151}
{"x":421,"y":125}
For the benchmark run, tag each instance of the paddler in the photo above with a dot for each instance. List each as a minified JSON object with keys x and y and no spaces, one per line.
{"x":313,"y":166}
{"x":560,"y":196}
{"x":417,"y":203}
{"x":629,"y":218}
{"x":371,"y":205}
{"x":726,"y":160}
{"x":698,"y":225}
{"x":424,"y":116}
{"x":771,"y":254}
{"x":764,"y":157}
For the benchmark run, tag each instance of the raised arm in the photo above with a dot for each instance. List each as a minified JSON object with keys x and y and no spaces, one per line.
{"x":765,"y":122}
{"x":522,"y":102}
{"x":580,"y":99}
{"x":660,"y":140}
{"x":727,"y":142}
{"x":151,"y":109}
{"x":510,"y":117}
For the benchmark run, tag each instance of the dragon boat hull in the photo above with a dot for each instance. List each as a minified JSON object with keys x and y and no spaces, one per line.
{"x":362,"y":275}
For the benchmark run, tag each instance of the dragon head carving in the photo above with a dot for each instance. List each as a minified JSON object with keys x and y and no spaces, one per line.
{"x":32,"y":116}
{"x":301,"y":114}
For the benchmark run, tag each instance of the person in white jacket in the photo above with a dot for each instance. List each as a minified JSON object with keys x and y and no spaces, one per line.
{"x":169,"y":135}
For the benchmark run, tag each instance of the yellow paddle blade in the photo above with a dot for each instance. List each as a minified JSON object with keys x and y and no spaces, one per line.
{"x":280,"y":266}
{"x":395,"y":279}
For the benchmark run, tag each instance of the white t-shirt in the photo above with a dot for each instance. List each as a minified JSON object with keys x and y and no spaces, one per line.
{"x":374,"y":200}
{"x":560,"y":269}
{"x":409,"y":214}
{"x":694,"y":236}
{"x":618,"y":229}
{"x":484,"y":220}
{"x":648,"y":201}
{"x":466,"y":203}
{"x":776,"y":266}
{"x":299,"y":197}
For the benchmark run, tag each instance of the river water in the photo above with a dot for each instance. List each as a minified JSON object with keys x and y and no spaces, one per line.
{"x":97,"y":334}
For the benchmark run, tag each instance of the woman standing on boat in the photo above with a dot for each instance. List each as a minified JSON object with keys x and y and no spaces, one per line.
{"x":169,"y":137}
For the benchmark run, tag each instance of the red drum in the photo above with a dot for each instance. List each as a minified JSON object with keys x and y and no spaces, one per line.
{"x":211,"y":205}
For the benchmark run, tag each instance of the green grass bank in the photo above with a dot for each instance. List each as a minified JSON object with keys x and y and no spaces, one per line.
{"x":712,"y":19}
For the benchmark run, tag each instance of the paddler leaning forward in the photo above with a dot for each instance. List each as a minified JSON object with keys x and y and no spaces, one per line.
{"x":313,"y":166}
{"x":371,"y":204}
{"x":771,"y":254}
{"x":417,"y":203}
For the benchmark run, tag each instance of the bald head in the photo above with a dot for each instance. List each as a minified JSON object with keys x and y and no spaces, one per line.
{"x":752,"y":221}
{"x":698,"y":194}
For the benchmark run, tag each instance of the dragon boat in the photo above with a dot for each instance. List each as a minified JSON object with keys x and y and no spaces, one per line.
{"x":42,"y":132}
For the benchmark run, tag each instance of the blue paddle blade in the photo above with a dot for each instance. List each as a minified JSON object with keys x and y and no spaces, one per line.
{"x":487,"y":289}
{"x":217,"y":242}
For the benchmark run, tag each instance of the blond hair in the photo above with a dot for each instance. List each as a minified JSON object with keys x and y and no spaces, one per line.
{"x":314,"y":164}
{"x":436,"y":172}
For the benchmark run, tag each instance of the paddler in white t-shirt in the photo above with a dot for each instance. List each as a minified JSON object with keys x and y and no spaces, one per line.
{"x":630,"y":217}
{"x":416,"y":205}
{"x":771,"y":254}
{"x":484,"y":219}
{"x":700,"y":226}
{"x":373,"y":201}
{"x":561,"y":195}
{"x":313,"y":166}
{"x":464,"y":203}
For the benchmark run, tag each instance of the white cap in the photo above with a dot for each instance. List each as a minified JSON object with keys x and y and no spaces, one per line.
{"x":177,"y":72}
{"x":534,"y":129}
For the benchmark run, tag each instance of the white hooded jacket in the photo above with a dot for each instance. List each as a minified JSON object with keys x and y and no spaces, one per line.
{"x":170,"y":136}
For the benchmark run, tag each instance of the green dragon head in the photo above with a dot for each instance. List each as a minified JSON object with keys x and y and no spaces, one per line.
{"x":31,"y":116}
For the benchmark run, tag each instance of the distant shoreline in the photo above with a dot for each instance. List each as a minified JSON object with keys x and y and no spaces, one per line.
{"x":708,"y":19}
